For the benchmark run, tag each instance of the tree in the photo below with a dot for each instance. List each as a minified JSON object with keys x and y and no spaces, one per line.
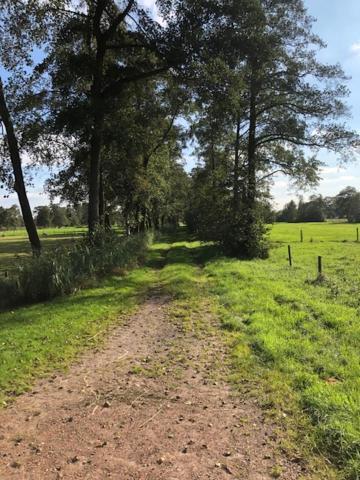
{"x":289,"y":213}
{"x":43,"y":216}
{"x":343,"y":201}
{"x":58,"y":217}
{"x":19,"y":182}
{"x":22,"y":31}
{"x":10,"y":217}
{"x":286,"y":101}
{"x":353,"y":210}
{"x":312,"y":211}
{"x":103,"y":48}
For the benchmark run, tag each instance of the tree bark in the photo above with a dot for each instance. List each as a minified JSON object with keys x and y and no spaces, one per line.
{"x":102,"y":207}
{"x":250,"y":193}
{"x":96,"y":139}
{"x":251,"y":183}
{"x":19,"y":183}
{"x":237,"y":166}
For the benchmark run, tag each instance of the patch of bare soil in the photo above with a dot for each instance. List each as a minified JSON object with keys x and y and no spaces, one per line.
{"x":150,"y":405}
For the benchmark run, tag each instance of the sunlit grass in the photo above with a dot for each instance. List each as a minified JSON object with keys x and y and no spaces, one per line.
{"x":314,"y":232}
{"x":303,"y":330}
{"x":295,"y":339}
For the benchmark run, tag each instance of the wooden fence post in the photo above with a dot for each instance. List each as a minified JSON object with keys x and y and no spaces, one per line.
{"x":301,"y":236}
{"x":320,"y":265}
{"x":290,"y":257}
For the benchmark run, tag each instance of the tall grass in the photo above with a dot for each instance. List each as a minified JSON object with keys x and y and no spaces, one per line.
{"x":64,"y":270}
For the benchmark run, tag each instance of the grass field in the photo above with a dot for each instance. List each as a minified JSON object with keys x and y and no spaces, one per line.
{"x":314,"y":232}
{"x":300,"y":332}
{"x":295,"y":339}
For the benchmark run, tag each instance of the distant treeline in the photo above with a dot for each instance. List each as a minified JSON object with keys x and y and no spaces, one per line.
{"x":345,"y":204}
{"x":45,"y":216}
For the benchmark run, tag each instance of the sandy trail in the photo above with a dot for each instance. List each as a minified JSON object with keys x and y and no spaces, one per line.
{"x":151,"y":404}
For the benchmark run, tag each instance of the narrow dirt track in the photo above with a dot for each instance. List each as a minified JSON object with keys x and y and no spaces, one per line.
{"x":151,"y":404}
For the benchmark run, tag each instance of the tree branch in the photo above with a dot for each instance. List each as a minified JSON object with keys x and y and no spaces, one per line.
{"x":116,"y":86}
{"x":119,"y":18}
{"x":271,"y":174}
{"x":161,"y":142}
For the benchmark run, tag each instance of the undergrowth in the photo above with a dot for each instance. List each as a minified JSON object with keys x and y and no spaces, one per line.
{"x":64,"y":270}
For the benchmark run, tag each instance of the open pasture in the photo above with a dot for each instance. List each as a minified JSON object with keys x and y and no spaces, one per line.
{"x":314,"y":232}
{"x":302,"y":331}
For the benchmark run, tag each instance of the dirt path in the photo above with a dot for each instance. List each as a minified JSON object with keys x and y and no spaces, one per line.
{"x":150,"y":405}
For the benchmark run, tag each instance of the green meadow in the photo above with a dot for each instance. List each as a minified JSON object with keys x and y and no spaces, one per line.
{"x":294,"y":337}
{"x":301,"y":333}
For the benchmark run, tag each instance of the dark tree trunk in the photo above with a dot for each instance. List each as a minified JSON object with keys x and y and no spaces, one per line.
{"x":251,"y":180}
{"x":18,"y":175}
{"x":212,"y":166}
{"x":127,"y":223}
{"x":250,"y":192}
{"x":98,"y":117}
{"x":102,"y":208}
{"x":143,"y":219}
{"x":137,"y":218}
{"x":237,"y":167}
{"x":96,"y":143}
{"x":156,"y":221}
{"x":107,"y":222}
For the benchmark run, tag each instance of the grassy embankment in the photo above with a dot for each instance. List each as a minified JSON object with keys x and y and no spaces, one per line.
{"x":295,"y":341}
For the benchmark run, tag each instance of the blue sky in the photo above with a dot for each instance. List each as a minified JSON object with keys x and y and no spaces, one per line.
{"x":338,"y":24}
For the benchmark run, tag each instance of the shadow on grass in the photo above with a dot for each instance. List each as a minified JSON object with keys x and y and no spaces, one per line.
{"x":119,"y":291}
{"x":38,"y":338}
{"x":122,"y":288}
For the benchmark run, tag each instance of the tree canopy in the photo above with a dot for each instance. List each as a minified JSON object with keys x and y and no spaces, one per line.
{"x":113,"y":97}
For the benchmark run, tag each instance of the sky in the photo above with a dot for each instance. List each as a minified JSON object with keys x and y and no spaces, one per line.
{"x":337,"y":23}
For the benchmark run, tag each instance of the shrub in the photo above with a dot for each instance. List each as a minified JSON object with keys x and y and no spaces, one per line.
{"x":64,"y":270}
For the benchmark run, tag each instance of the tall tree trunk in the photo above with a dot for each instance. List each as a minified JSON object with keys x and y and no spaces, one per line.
{"x":97,"y":102}
{"x":143,"y":219}
{"x":212,"y":166}
{"x":98,"y":117}
{"x":18,"y":175}
{"x":250,"y":194}
{"x":102,"y":208}
{"x":95,"y":165}
{"x":251,"y":180}
{"x":236,"y":185}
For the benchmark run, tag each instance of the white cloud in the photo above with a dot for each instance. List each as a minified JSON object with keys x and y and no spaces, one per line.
{"x":281,"y":185}
{"x":340,"y":180}
{"x":355,"y":48}
{"x":348,"y":178}
{"x":329,"y":170}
